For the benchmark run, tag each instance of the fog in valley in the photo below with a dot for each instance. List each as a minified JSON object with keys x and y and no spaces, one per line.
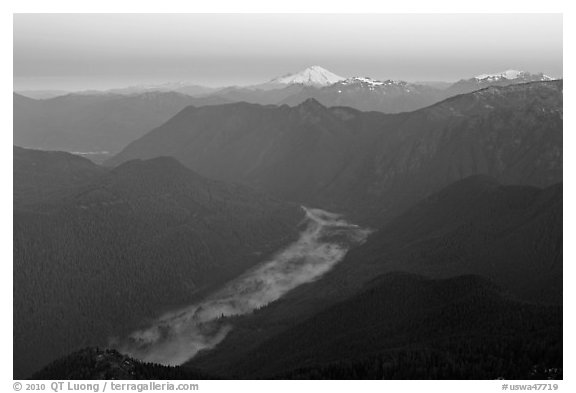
{"x":178,"y":336}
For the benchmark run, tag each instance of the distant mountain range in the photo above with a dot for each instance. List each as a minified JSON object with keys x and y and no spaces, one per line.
{"x":367,"y":163}
{"x":371,"y":95}
{"x":95,"y":123}
{"x":101,"y":123}
{"x":314,"y":76}
{"x":42,"y":94}
{"x":505,"y":78}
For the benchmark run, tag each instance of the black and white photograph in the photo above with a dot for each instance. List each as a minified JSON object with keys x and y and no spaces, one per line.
{"x":287,"y":196}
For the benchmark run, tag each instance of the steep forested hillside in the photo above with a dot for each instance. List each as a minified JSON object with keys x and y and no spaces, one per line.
{"x":149,"y":235}
{"x":399,"y":326}
{"x":40,"y":175}
{"x":512,"y":234}
{"x":95,"y":363}
{"x":509,"y":234}
{"x":404,"y":326}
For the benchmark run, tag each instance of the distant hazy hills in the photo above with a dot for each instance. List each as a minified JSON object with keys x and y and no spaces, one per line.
{"x":42,"y":94}
{"x":99,"y":251}
{"x":94,"y":123}
{"x":371,"y":95}
{"x":506,"y":78}
{"x":369,"y":163}
{"x":391,"y":96}
{"x":106,"y":121}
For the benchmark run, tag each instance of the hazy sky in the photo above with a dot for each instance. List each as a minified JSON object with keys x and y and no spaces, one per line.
{"x":80,"y":51}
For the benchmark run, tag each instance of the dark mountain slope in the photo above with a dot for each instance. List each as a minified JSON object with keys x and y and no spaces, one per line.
{"x":399,"y":326}
{"x":146,"y":236}
{"x":95,"y":123}
{"x":510,"y":234}
{"x":39,"y":174}
{"x":402,"y":326}
{"x":94,"y":363}
{"x":370,"y":165}
{"x":290,"y":152}
{"x":513,"y":134}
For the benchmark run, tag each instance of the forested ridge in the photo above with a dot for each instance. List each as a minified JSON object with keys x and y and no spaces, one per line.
{"x":404,"y":326}
{"x":401,"y":326}
{"x":96,"y":363}
{"x":101,"y":258}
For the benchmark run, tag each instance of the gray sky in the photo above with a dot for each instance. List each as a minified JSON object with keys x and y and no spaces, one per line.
{"x":81,"y":51}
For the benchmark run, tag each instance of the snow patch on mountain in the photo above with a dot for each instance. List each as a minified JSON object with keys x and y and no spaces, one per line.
{"x":373,"y":84}
{"x":363,"y":80}
{"x":510,"y":75}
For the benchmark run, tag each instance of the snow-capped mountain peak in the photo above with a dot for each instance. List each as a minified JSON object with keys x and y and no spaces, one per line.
{"x":311,"y":76}
{"x":510,"y":75}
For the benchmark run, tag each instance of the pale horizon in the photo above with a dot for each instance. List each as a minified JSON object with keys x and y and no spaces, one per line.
{"x":103,"y":51}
